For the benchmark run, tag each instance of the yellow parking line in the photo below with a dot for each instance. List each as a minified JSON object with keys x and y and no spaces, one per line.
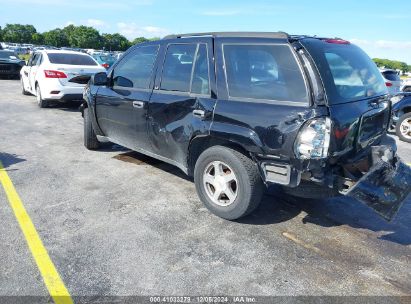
{"x":52,"y":280}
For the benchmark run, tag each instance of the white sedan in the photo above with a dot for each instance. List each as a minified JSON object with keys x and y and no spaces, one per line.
{"x":54,"y":75}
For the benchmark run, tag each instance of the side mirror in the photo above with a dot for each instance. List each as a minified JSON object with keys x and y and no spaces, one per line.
{"x":99,"y":79}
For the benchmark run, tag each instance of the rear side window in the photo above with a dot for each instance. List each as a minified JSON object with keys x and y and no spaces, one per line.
{"x":347,"y":72}
{"x":264,"y":72}
{"x":177,"y":67}
{"x":391,"y":75}
{"x":135,"y":70}
{"x":71,"y":59}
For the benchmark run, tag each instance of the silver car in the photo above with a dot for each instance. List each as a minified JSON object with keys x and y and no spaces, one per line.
{"x":392,"y":81}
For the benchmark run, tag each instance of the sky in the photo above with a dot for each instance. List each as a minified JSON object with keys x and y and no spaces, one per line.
{"x":381,"y":28}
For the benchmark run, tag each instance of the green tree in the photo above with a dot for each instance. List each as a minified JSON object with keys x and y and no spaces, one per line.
{"x":56,"y":37}
{"x":37,"y":38}
{"x":18,"y":33}
{"x":392,"y":64}
{"x":85,"y":37}
{"x":115,"y":42}
{"x":68,"y":31}
{"x":1,"y":34}
{"x":140,"y":40}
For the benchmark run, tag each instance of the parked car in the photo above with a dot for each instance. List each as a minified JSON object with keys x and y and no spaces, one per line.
{"x":10,"y":64}
{"x":401,"y":116}
{"x":241,"y":111}
{"x":55,"y":75}
{"x":406,"y":85}
{"x":104,"y":60}
{"x":392,"y":81}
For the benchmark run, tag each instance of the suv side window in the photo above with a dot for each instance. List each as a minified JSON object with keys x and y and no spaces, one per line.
{"x":177,"y":68}
{"x":135,"y":70}
{"x":201,"y":75}
{"x":264,"y":71}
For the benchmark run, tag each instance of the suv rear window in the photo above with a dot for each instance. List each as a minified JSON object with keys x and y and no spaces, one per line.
{"x":391,"y":75}
{"x":71,"y":59}
{"x":347,"y":72}
{"x":264,"y":71}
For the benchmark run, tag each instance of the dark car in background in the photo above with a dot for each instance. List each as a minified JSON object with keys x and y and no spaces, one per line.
{"x":401,"y":116}
{"x":10,"y":64}
{"x":105,"y":60}
{"x":241,"y":111}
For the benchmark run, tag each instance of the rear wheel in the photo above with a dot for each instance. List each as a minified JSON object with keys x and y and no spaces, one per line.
{"x":228,"y":182}
{"x":40,"y":101}
{"x":403,"y":127}
{"x":90,"y":139}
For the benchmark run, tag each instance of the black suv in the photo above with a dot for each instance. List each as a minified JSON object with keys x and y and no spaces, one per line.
{"x":241,"y":111}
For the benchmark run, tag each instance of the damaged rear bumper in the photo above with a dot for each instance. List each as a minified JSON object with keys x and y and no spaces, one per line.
{"x":378,"y":179}
{"x":384,"y":187}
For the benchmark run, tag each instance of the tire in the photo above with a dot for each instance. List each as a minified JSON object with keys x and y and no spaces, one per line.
{"x":310,"y":190}
{"x":402,"y":125}
{"x":23,"y":90}
{"x":90,"y":139}
{"x":40,"y":101}
{"x":246,"y":188}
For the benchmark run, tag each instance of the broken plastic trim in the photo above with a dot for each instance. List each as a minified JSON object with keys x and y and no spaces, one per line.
{"x":384,"y":188}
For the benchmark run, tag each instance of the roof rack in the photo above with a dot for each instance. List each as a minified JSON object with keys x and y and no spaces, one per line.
{"x":282,"y":35}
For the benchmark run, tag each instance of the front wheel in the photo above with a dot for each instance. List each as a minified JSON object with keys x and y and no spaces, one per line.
{"x":403,"y":128}
{"x":90,"y":139}
{"x":228,"y":182}
{"x":23,"y":90}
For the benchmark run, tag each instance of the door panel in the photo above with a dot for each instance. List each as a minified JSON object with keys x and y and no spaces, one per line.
{"x":120,"y":119}
{"x":181,"y":106}
{"x":121,"y":107}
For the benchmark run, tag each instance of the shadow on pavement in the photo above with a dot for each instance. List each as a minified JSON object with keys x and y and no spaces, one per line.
{"x":277,"y":207}
{"x":10,"y":159}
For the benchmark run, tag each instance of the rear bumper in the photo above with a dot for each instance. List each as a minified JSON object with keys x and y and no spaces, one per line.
{"x":63,"y":93}
{"x":379,"y":178}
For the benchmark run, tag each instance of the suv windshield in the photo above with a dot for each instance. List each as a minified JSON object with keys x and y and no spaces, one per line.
{"x":71,"y":59}
{"x":7,"y":55}
{"x":347,"y":72}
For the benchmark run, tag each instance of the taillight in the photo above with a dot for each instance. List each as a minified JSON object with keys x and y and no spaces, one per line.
{"x":54,"y":74}
{"x":337,"y":41}
{"x":313,"y":140}
{"x":106,"y":65}
{"x":388,"y":84}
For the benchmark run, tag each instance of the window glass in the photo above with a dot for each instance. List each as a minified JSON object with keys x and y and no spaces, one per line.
{"x":347,"y":72}
{"x":264,"y":72}
{"x":135,"y":70}
{"x":200,"y":84}
{"x":177,"y":67}
{"x":35,"y":59}
{"x":71,"y":59}
{"x":391,"y":75}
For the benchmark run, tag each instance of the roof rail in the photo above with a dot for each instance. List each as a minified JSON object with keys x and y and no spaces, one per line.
{"x":282,"y":35}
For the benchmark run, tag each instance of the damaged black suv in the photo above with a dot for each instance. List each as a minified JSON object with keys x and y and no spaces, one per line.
{"x":241,"y":111}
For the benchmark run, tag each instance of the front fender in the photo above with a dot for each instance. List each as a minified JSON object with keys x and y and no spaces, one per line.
{"x":90,"y":103}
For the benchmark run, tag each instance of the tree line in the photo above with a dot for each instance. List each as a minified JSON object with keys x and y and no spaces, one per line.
{"x":84,"y":37}
{"x":392,"y":64}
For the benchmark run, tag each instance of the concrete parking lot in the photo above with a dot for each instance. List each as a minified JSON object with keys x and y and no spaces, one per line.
{"x":118,"y":223}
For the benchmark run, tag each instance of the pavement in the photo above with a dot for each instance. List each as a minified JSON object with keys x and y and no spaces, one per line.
{"x":117,"y":223}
